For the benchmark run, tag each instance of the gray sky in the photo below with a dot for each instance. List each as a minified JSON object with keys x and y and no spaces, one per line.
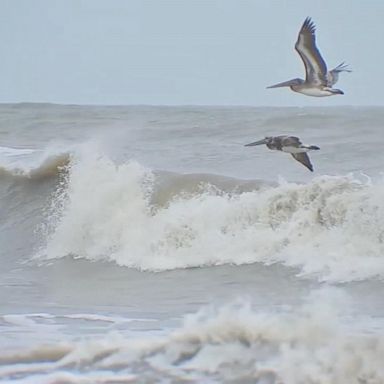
{"x":207,"y":52}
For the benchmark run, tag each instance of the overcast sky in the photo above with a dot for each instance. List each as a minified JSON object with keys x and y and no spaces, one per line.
{"x":206,"y":52}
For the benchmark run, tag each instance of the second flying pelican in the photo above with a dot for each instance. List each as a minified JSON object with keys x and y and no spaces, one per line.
{"x":289,"y":144}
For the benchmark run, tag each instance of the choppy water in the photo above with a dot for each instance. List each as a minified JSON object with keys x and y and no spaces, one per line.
{"x":147,"y":244}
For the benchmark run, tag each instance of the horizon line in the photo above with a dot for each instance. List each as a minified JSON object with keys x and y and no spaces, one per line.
{"x":47,"y":103}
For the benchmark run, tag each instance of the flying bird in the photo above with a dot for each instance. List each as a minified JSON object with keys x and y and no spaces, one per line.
{"x":318,"y":80}
{"x":289,"y":144}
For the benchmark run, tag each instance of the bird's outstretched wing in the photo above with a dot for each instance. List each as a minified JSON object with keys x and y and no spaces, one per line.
{"x":303,"y":158}
{"x":315,"y":67}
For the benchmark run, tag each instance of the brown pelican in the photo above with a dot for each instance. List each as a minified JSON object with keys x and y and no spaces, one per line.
{"x":318,"y":81}
{"x":289,"y":144}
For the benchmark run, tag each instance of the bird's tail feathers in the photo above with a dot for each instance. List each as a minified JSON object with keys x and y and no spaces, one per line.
{"x":342,"y":67}
{"x":310,"y":147}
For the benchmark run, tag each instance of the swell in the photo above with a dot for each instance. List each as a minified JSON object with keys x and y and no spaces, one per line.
{"x":331,"y":228}
{"x":168,"y":186}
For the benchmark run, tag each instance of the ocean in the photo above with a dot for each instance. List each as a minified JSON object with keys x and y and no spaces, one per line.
{"x":145,"y":244}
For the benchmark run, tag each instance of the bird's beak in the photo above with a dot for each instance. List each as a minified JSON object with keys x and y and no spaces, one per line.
{"x":284,"y":84}
{"x":264,"y":141}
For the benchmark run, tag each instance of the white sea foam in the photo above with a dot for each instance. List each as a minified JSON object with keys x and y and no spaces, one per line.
{"x":331,"y":228}
{"x":312,"y":344}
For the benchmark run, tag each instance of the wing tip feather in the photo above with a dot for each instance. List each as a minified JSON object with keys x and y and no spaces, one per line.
{"x":308,"y":25}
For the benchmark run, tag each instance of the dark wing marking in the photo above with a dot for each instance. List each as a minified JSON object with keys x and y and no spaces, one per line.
{"x":315,"y":67}
{"x":290,"y":141}
{"x":303,"y":159}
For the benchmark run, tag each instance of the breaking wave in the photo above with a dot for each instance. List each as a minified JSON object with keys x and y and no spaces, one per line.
{"x":331,"y":229}
{"x":32,"y":163}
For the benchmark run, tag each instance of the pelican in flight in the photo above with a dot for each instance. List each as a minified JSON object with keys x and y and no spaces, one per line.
{"x":318,"y":80}
{"x":289,"y":144}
